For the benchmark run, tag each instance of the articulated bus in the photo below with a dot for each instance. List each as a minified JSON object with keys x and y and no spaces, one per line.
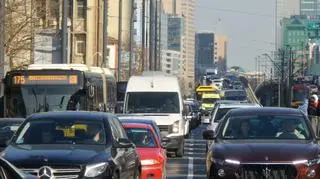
{"x":299,"y":93}
{"x":58,"y":87}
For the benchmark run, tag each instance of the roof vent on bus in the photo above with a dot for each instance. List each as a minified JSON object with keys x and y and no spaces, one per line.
{"x":80,"y":67}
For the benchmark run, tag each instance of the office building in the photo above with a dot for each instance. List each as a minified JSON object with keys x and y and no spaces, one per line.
{"x":171,"y":62}
{"x":284,"y":9}
{"x":186,"y":10}
{"x":204,"y":53}
{"x":220,"y":53}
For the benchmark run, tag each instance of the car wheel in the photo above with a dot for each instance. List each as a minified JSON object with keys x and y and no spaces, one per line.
{"x":180,"y":151}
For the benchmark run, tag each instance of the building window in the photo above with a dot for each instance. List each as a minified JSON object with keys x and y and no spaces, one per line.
{"x":168,"y":66}
{"x":70,"y":8}
{"x":168,"y":71}
{"x":82,"y":9}
{"x":80,"y":44}
{"x":168,"y":60}
{"x":169,"y":54}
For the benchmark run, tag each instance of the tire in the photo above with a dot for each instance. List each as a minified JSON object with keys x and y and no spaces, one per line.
{"x":180,"y":151}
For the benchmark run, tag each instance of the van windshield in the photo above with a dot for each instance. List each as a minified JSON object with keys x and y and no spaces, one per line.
{"x":153,"y":102}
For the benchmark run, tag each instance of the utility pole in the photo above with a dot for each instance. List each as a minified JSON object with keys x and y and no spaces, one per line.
{"x":151,"y":49}
{"x":156,"y":38}
{"x":131,"y":34}
{"x":105,"y":61}
{"x":119,"y":38}
{"x":2,"y":38}
{"x":64,"y":31}
{"x":143,"y":33}
{"x":290,"y":71}
{"x":282,"y":52}
{"x":160,"y":30}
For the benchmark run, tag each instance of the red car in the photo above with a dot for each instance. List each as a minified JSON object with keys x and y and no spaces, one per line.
{"x":153,"y":157}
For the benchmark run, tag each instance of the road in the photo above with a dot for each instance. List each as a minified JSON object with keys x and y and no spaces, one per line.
{"x":193,"y":163}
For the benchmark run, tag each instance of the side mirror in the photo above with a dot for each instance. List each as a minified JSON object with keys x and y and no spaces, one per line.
{"x":124,"y":143}
{"x":164,"y":142}
{"x":208,"y":135}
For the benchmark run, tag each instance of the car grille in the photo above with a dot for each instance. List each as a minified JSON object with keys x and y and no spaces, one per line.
{"x":163,"y":128}
{"x":257,"y":171}
{"x":59,"y":172}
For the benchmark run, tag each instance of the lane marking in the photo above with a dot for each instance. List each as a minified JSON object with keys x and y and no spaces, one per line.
{"x":190,"y":168}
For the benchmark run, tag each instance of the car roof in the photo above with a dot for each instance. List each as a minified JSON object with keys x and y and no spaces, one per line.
{"x":238,"y":105}
{"x":83,"y":115}
{"x":265,"y":111}
{"x":132,"y":120}
{"x":227,"y":101}
{"x":137,"y":125}
{"x":13,"y":120}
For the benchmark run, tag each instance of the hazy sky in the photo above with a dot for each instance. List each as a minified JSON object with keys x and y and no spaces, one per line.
{"x":249,"y":24}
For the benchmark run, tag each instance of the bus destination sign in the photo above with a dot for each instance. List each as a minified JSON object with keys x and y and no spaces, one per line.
{"x":45,"y":79}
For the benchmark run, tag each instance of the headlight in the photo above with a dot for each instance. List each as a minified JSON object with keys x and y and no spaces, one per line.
{"x":226,"y":161}
{"x":175,"y":127}
{"x":149,"y":162}
{"x":94,"y":170}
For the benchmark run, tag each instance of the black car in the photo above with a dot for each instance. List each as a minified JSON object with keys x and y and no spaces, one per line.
{"x":193,"y":113}
{"x":73,"y":145}
{"x":8,"y":126}
{"x":263,"y":143}
{"x":144,"y":121}
{"x":8,"y":171}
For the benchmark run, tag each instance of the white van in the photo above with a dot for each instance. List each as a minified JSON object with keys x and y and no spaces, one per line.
{"x":157,"y":96}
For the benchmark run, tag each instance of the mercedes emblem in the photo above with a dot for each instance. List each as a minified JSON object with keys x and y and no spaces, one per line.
{"x":45,"y":172}
{"x":266,"y":172}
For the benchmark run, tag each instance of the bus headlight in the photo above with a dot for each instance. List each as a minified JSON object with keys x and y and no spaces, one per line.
{"x":175,"y":127}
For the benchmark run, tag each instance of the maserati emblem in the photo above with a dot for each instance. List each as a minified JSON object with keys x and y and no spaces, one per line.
{"x":45,"y":172}
{"x":266,"y":172}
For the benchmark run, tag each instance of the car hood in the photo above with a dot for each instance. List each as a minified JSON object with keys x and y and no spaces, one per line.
{"x":30,"y":155}
{"x":268,"y":151}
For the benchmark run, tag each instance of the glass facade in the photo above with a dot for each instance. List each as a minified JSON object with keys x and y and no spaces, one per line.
{"x":310,"y":8}
{"x":204,"y":53}
{"x":175,"y":32}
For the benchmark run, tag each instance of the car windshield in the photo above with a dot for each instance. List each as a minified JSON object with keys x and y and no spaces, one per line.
{"x":61,"y":131}
{"x":265,"y":127}
{"x":153,"y":102}
{"x":220,"y":113}
{"x":142,"y":138}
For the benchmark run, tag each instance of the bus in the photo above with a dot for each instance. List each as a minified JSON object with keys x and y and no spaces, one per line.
{"x":299,"y":93}
{"x":58,"y":87}
{"x":212,"y":89}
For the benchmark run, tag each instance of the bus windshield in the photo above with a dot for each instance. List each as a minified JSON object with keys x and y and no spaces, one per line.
{"x":153,"y":102}
{"x":30,"y":99}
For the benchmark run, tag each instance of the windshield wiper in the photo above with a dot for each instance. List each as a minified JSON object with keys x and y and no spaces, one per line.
{"x":35,"y":96}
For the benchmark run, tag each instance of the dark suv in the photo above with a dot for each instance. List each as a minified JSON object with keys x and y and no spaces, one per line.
{"x":73,"y":145}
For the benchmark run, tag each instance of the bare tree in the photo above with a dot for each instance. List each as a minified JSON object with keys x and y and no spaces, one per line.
{"x":22,"y":18}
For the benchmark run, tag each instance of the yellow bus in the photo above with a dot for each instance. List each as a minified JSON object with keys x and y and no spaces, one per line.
{"x":212,"y":89}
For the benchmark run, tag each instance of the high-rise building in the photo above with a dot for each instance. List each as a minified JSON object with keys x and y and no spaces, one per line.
{"x":146,"y":33}
{"x":220,"y":53}
{"x":175,"y":33}
{"x":171,"y":62}
{"x":204,"y":53}
{"x":310,"y":8}
{"x":284,"y":9}
{"x":185,"y":9}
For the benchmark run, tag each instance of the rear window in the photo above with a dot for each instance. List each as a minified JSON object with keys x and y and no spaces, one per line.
{"x":142,"y":138}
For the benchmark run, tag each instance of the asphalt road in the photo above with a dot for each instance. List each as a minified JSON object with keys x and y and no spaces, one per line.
{"x":193,"y":163}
